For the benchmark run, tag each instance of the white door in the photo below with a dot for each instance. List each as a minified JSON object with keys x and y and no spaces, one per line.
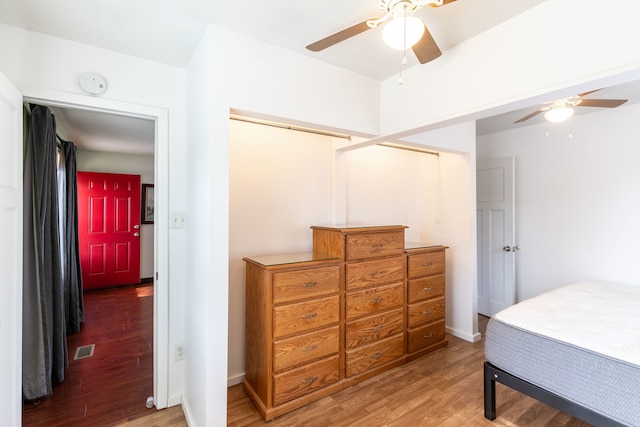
{"x":496,"y":234}
{"x":10,"y":253}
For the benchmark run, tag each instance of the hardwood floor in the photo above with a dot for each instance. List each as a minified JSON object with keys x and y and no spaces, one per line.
{"x":440,"y":389}
{"x":111,"y":386}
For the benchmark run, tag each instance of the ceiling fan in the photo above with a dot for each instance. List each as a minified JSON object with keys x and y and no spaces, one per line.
{"x":403,"y":31}
{"x":561,"y":109}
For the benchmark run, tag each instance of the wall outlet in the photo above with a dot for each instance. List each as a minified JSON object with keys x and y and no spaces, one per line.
{"x":179,"y":351}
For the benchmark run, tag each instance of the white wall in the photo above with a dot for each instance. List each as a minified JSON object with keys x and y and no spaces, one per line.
{"x":229,"y":72}
{"x":99,"y":161}
{"x":577,"y":199}
{"x":435,"y":197}
{"x":206,"y":280}
{"x":279,"y":186}
{"x":282,"y":182}
{"x":455,"y":221}
{"x":393,"y":186}
{"x":50,"y":67}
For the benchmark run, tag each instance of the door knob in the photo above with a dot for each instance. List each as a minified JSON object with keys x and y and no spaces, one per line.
{"x":136,"y":226}
{"x":507,"y":249}
{"x":136,"y":234}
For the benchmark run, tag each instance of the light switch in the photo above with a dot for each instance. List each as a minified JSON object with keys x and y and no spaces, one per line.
{"x":178,"y":220}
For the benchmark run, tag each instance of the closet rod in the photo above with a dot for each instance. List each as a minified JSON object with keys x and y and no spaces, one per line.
{"x":405,"y":147}
{"x":290,"y":127}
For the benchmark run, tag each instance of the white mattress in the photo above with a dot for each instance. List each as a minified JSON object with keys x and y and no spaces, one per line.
{"x":603,"y":318}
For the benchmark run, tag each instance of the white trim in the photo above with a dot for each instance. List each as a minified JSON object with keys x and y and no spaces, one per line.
{"x":235,"y":380}
{"x":11,"y":320}
{"x":161,"y":229}
{"x":187,"y":413}
{"x":463,"y":335}
{"x":174,"y":401}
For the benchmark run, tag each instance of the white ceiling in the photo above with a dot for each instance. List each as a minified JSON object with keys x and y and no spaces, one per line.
{"x":90,"y":130}
{"x":167,"y":31}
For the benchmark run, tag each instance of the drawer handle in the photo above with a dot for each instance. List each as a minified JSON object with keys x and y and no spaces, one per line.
{"x":429,"y":335}
{"x":377,"y":355}
{"x":427,"y":264}
{"x":428,"y":312}
{"x":310,"y":284}
{"x":377,"y":300}
{"x":309,"y":316}
{"x":377,"y":246}
{"x":428,"y":289}
{"x":310,"y":348}
{"x":309,"y":380}
{"x":377,"y":273}
{"x":377,"y":328}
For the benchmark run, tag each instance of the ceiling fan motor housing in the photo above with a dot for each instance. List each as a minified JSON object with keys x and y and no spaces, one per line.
{"x":396,"y":6}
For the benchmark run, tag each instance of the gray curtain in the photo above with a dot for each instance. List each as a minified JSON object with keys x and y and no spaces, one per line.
{"x":47,"y":290}
{"x":71,"y":273}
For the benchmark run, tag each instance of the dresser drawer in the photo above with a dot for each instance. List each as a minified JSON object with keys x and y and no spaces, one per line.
{"x":425,"y":264}
{"x":374,"y":328}
{"x":425,"y":336}
{"x":374,"y":300}
{"x":370,"y":245}
{"x":373,"y":273}
{"x":372,"y":355}
{"x":303,"y":348}
{"x":425,"y":312}
{"x":425,"y":288}
{"x":303,"y":284}
{"x":305,"y":379}
{"x":303,"y":316}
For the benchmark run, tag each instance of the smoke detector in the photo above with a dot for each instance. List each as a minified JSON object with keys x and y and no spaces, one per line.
{"x":93,"y":83}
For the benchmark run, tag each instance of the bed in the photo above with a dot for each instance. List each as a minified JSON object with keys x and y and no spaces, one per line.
{"x":576,"y":348}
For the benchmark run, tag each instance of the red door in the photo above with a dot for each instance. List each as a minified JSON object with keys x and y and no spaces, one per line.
{"x":109,"y":229}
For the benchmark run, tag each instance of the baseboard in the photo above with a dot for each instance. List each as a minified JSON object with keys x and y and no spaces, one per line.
{"x":235,"y":380}
{"x":187,"y":412}
{"x":174,"y":401}
{"x":463,"y":335}
{"x":146,"y":280}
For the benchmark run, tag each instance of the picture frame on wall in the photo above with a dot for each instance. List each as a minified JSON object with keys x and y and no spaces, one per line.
{"x":147,"y":205}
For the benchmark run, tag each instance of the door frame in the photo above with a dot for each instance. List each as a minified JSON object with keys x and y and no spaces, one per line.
{"x":161,"y":229}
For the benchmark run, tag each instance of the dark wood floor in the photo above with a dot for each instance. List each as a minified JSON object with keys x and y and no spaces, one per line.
{"x":111,"y":386}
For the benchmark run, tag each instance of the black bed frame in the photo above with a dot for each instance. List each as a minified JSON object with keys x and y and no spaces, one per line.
{"x":493,"y":374}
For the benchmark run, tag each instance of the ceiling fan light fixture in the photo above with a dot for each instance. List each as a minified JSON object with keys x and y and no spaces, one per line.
{"x":559,"y":114}
{"x":393,"y":33}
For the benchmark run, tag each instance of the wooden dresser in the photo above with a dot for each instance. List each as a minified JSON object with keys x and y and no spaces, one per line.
{"x":374,"y":294}
{"x":425,"y":299}
{"x":293,"y":336}
{"x":322,"y":321}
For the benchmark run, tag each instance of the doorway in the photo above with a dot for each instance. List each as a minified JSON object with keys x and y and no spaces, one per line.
{"x":160,"y":251}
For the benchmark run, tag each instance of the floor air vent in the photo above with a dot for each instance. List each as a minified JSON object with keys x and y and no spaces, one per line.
{"x":84,"y":351}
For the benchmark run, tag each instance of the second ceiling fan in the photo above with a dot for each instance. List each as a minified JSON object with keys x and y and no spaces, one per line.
{"x":561,"y":109}
{"x":403,"y":31}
